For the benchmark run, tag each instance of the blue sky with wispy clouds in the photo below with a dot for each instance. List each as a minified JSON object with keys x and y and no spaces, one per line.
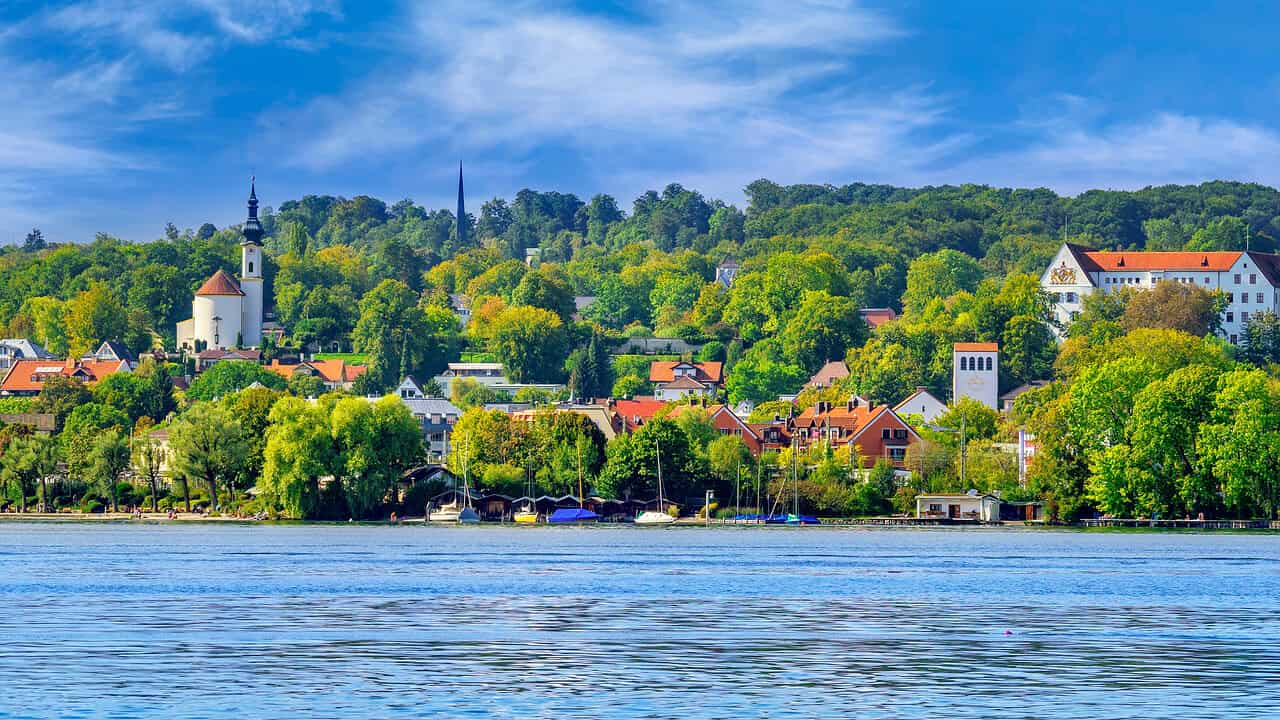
{"x":121,"y":115}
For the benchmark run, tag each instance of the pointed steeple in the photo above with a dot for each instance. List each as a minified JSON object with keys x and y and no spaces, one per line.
{"x":462,"y":212}
{"x":252,"y":230}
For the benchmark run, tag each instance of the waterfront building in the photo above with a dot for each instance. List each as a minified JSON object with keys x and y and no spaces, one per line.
{"x":968,"y":506}
{"x":1249,"y":279}
{"x":226,"y":312}
{"x":874,"y":431}
{"x":436,"y":415}
{"x":975,"y":373}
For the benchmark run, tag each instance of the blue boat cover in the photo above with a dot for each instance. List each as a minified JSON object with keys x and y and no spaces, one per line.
{"x":802,"y":520}
{"x":572,"y":515}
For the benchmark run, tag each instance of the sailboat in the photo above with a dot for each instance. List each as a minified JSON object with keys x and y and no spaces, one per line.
{"x":575,"y":515}
{"x":528,"y":513}
{"x":794,"y":517}
{"x":659,"y":516}
{"x":455,"y":511}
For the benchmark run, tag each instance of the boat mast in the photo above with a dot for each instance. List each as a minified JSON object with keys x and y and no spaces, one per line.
{"x":795,"y":480}
{"x":579,"y":447}
{"x":657,"y":451}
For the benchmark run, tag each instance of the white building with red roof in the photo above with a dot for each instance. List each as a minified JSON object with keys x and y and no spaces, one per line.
{"x":1250,"y":280}
{"x":678,"y":380}
{"x":227,"y":312}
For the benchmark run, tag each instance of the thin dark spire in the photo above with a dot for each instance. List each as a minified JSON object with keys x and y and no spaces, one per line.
{"x":462,"y":212}
{"x":252,"y":230}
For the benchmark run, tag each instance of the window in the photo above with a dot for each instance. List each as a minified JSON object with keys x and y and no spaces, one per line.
{"x":964,"y":363}
{"x":900,"y":434}
{"x":1057,"y":298}
{"x":250,"y":266}
{"x":897,"y":454}
{"x":1258,"y":298}
{"x":1234,"y":339}
{"x":884,"y":434}
{"x":935,"y":508}
{"x":1071,"y":297}
{"x":1237,"y":278}
{"x":988,"y":363}
{"x":1253,"y":279}
{"x":1231,"y":317}
{"x":1244,"y":317}
{"x":1206,"y":281}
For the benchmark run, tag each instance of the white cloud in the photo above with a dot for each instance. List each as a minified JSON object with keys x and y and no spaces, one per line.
{"x":1165,"y":148}
{"x":710,"y":81}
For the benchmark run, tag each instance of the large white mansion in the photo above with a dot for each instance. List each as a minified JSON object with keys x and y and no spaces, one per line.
{"x":227,"y":313}
{"x":1250,"y":279}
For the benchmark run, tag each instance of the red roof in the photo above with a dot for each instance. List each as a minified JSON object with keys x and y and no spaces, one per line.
{"x":664,"y":372}
{"x":976,"y":347}
{"x":336,"y":372}
{"x":638,"y":411}
{"x":1120,"y":261}
{"x":27,"y":376}
{"x":876,"y":317}
{"x":220,"y":284}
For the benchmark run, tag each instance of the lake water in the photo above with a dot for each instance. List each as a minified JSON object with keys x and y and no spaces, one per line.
{"x":220,"y":621}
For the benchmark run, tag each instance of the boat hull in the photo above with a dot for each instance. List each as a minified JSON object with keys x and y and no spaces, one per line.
{"x":653,"y":517}
{"x":567,"y":516}
{"x":525,"y":518}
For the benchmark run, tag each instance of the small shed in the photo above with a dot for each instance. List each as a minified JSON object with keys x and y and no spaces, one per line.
{"x":978,"y":507}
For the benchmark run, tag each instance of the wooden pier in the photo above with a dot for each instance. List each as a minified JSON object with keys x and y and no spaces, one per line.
{"x":1181,"y":524}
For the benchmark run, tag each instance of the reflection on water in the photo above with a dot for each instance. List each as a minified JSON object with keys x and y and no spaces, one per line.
{"x":341,"y":621}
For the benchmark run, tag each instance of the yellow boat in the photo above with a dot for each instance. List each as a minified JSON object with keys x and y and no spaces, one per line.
{"x":526,"y":517}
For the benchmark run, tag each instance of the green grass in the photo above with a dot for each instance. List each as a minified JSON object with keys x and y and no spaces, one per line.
{"x":355,"y":358}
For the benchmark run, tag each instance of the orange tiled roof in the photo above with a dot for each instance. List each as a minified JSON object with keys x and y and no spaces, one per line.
{"x":335,"y":371}
{"x":664,"y":371}
{"x":1120,"y":261}
{"x":875,"y":317}
{"x":221,"y":283}
{"x":27,"y":375}
{"x":976,"y":347}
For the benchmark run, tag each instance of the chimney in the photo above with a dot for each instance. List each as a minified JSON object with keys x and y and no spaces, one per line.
{"x":849,"y":406}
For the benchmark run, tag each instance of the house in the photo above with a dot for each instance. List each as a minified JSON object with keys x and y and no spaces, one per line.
{"x":461,"y":309}
{"x":875,"y":431}
{"x":635,"y":412}
{"x":678,"y":380}
{"x":608,"y":422}
{"x":206,"y":359}
{"x":774,"y":435}
{"x":1007,"y":399}
{"x":112,"y":350}
{"x":1249,"y":280}
{"x":437,"y":416}
{"x":336,"y":374}
{"x":484,"y":373}
{"x":975,"y":372}
{"x":727,"y":272}
{"x":875,"y":317}
{"x":726,"y":422}
{"x":27,"y":377}
{"x":580,"y":303}
{"x":15,"y":349}
{"x":828,"y":375}
{"x":922,"y":403}
{"x":969,"y":506}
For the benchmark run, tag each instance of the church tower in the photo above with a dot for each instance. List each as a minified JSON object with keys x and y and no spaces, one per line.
{"x":462,"y":213}
{"x":251,"y":274}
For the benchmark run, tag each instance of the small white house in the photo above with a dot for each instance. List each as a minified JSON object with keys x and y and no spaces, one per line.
{"x":969,"y":506}
{"x":922,"y":403}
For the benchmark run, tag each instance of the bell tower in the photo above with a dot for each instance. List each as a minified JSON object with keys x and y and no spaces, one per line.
{"x":251,"y":273}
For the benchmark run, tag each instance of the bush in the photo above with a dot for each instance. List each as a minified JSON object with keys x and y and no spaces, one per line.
{"x":91,"y":505}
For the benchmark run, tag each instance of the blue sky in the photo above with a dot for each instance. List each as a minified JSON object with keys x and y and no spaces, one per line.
{"x":121,"y":115}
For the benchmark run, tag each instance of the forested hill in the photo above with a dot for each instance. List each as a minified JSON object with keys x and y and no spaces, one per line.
{"x":650,"y":268}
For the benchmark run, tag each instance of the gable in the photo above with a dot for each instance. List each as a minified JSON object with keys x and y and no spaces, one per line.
{"x":1066,"y":270}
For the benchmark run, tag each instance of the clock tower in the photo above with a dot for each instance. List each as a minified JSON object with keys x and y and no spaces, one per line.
{"x":975,"y":373}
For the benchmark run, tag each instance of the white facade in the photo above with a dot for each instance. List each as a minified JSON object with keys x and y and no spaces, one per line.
{"x":975,"y":373}
{"x":217,"y":320}
{"x":922,"y":403}
{"x":1248,"y":278}
{"x":251,"y":286}
{"x":983,"y":508}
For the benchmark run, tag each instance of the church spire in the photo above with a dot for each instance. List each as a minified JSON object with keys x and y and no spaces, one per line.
{"x":462,"y":212}
{"x":252,"y":230}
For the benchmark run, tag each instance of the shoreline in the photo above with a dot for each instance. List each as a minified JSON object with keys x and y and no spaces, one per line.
{"x":827,"y":523}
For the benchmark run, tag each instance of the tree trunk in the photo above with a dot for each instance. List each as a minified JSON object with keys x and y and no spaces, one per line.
{"x":213,"y":494}
{"x":44,"y":494}
{"x":22,"y":497}
{"x":186,"y":493}
{"x":115,"y":498}
{"x":155,"y":490}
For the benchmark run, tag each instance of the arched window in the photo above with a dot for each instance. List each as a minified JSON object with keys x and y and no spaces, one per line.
{"x":988,"y":363}
{"x":250,"y":266}
{"x":964,"y":363}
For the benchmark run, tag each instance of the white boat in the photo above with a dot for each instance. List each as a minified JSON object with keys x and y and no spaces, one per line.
{"x":453,"y":512}
{"x":659,"y":516}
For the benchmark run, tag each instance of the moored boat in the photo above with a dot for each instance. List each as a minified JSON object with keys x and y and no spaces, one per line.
{"x":659,"y":516}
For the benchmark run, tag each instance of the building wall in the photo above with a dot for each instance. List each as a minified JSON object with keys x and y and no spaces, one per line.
{"x":206,"y":307}
{"x":872,"y":444}
{"x":981,"y":385}
{"x":251,"y":311}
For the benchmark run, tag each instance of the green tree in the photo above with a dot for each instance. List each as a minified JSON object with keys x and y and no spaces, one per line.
{"x":979,"y":420}
{"x":823,"y":328}
{"x":229,"y":377}
{"x":400,"y":337}
{"x":631,"y":465}
{"x":939,"y":275}
{"x":1241,"y":442}
{"x":1177,"y":306}
{"x":375,"y":443}
{"x":299,"y":451}
{"x":758,"y":376}
{"x":59,"y":396}
{"x":83,"y":425}
{"x":209,"y":445}
{"x":1029,"y":349}
{"x":531,"y":343}
{"x":24,"y":462}
{"x":1260,"y":343}
{"x":93,"y":316}
{"x":148,"y":460}
{"x":110,"y":461}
